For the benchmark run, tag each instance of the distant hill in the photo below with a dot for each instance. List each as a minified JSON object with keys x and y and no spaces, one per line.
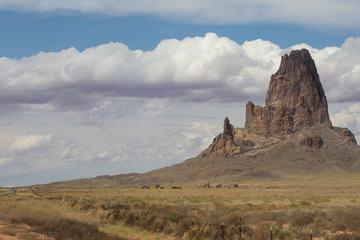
{"x":291,"y":134}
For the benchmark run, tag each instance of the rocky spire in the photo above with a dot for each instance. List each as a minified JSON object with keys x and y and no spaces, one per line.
{"x":228,"y":127}
{"x":295,"y":98}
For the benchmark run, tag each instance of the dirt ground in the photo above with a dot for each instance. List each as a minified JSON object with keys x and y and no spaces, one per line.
{"x":12,"y":231}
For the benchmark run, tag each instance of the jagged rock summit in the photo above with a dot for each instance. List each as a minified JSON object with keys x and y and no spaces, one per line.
{"x":295,"y":102}
{"x":295,"y":99}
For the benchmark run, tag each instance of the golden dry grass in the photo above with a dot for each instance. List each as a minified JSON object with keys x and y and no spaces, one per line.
{"x":45,"y":217}
{"x":327,"y":204}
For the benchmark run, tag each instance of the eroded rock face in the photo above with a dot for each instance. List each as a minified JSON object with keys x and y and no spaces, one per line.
{"x":295,"y":99}
{"x":312,"y":142}
{"x":228,"y":128}
{"x":349,"y":136}
{"x":227,"y":136}
{"x":231,"y":141}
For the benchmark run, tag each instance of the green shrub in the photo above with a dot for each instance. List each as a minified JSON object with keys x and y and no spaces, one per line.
{"x":305,"y":203}
{"x":318,"y":219}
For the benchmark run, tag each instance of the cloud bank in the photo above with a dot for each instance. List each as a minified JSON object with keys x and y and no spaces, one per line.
{"x":199,"y":69}
{"x":112,"y":86}
{"x":311,"y":13}
{"x":34,"y":152}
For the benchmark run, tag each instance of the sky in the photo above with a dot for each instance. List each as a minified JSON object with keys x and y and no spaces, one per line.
{"x":106,"y":87}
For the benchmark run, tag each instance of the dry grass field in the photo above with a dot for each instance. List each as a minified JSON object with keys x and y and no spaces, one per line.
{"x":325,"y":206}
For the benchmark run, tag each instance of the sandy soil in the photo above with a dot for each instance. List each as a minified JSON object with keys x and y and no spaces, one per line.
{"x":12,"y":231}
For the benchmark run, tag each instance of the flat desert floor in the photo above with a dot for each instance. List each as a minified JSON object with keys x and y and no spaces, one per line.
{"x":324,"y":206}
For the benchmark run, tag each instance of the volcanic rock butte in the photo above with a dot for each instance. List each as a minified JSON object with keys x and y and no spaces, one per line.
{"x":295,"y":101}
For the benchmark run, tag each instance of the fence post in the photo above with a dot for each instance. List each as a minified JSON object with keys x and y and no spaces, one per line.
{"x":240,"y":230}
{"x":271,"y":233}
{"x":91,"y":187}
{"x":311,"y":234}
{"x":222,"y":231}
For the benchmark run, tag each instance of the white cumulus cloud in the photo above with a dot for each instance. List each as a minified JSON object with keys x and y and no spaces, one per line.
{"x":36,"y":152}
{"x":209,"y":68}
{"x":31,"y":143}
{"x":199,"y":69}
{"x":348,"y":117}
{"x":44,"y":146}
